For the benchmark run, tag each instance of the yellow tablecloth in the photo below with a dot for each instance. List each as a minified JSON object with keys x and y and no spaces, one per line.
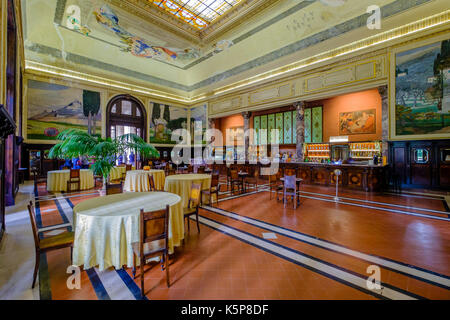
{"x":116,"y":173}
{"x":137,"y":180}
{"x":180,"y":184}
{"x":57,"y":180}
{"x":105,"y":227}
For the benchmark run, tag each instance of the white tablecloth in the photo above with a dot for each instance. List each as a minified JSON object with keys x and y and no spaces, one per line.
{"x":57,"y":180}
{"x":105,"y":227}
{"x":137,"y":180}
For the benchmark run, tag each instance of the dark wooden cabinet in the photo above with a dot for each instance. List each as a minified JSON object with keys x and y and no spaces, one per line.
{"x":421,"y":164}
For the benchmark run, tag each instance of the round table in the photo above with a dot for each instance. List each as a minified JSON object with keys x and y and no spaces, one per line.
{"x":137,"y":180}
{"x":180,"y":184}
{"x":105,"y":227}
{"x":116,"y":172}
{"x":57,"y":180}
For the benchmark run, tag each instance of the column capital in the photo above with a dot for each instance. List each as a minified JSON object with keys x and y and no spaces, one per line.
{"x":246,"y":114}
{"x":383,"y":91}
{"x":299,"y":104}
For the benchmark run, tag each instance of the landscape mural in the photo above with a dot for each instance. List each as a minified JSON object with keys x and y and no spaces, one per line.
{"x":198,"y":124}
{"x":164,"y":120}
{"x":422,"y":91}
{"x":53,"y":108}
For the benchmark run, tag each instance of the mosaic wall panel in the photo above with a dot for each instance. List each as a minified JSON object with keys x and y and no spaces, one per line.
{"x":308,"y":116}
{"x":270,"y":126}
{"x":316,"y":124}
{"x":256,"y":126}
{"x":263,"y":136}
{"x":288,"y":127}
{"x":279,"y":126}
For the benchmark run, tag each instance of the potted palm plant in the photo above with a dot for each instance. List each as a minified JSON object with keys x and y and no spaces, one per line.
{"x":75,"y":143}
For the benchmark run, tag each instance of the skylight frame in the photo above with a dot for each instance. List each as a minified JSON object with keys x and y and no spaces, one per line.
{"x":197,"y":13}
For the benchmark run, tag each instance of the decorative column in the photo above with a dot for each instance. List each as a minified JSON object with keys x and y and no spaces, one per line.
{"x":246,"y":116}
{"x":383,"y":90}
{"x":300,"y":128}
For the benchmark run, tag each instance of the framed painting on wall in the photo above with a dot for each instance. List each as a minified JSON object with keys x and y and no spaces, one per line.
{"x":165,"y":119}
{"x":357,"y":122}
{"x":52,"y":108}
{"x":421,"y":90}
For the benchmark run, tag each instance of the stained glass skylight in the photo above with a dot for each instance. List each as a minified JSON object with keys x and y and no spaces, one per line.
{"x":198,"y":13}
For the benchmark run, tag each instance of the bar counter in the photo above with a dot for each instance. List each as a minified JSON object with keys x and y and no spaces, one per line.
{"x":369,"y":178}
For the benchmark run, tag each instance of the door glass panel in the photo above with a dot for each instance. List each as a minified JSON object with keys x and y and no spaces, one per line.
{"x":127,"y":108}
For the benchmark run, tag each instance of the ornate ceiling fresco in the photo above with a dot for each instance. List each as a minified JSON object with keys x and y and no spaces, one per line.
{"x":142,"y":41}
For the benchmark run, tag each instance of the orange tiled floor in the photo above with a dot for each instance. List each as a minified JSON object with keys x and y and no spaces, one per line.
{"x":216,"y":264}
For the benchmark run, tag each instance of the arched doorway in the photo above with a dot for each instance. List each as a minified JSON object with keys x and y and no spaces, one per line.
{"x":125,"y":114}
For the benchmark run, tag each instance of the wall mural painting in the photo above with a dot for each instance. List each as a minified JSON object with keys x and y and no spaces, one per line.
{"x":357,"y":122}
{"x":198,"y":124}
{"x":422,"y":90}
{"x":53,"y":108}
{"x":164,"y":120}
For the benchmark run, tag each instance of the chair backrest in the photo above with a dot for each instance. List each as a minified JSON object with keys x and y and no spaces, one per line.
{"x":128,"y":167}
{"x":33,"y":224}
{"x":194,"y":197}
{"x":151,"y":182}
{"x":215,"y":180}
{"x":290,"y":182}
{"x":114,"y":188}
{"x":153,"y":225}
{"x":190,"y":168}
{"x":201,"y":170}
{"x":273,"y":178}
{"x":74,"y":173}
{"x":234,"y":174}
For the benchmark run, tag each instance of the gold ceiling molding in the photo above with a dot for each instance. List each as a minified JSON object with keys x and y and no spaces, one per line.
{"x":403,"y":31}
{"x":40,"y":69}
{"x":234,"y":18}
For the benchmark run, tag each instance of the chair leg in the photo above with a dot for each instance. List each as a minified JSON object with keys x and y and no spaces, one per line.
{"x":167,"y":270}
{"x":71,"y":254}
{"x":141,"y":269}
{"x":134,"y":266}
{"x":198,"y":226}
{"x":36,"y":268}
{"x":189,"y":224}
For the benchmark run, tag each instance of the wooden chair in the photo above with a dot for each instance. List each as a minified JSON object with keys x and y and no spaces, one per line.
{"x":290,"y":189}
{"x":235,"y":180}
{"x":59,"y":241}
{"x":153,"y":241}
{"x":252,"y":179}
{"x":151,"y":182}
{"x":274,"y":185}
{"x":37,"y":180}
{"x":190,"y":169}
{"x":74,"y":178}
{"x":193,"y":204}
{"x":171,"y":172}
{"x":114,"y":188}
{"x":128,"y":167}
{"x":201,"y":170}
{"x":213,"y":189}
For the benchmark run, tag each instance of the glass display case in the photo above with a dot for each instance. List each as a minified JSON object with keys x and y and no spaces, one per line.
{"x":365,"y":150}
{"x":317,"y":152}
